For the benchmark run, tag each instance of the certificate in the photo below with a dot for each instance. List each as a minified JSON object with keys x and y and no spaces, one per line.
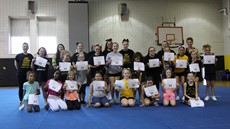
{"x":197,"y":103}
{"x":99,"y":60}
{"x":54,"y":85}
{"x":181,"y":63}
{"x":194,"y":67}
{"x":82,"y":65}
{"x":64,"y":66}
{"x":209,"y":59}
{"x":133,"y":83}
{"x":116,"y":60}
{"x":40,"y":62}
{"x":33,"y":99}
{"x":119,"y":84}
{"x":98,"y":85}
{"x":154,"y":63}
{"x":168,"y":56}
{"x":139,"y":66}
{"x":71,"y":85}
{"x":170,"y":83}
{"x":151,"y":91}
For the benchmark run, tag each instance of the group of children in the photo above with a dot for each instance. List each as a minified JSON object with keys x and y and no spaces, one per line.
{"x":103,"y":77}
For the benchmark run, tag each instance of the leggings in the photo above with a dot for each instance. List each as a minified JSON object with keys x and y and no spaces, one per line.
{"x":55,"y":102}
{"x":73,"y":104}
{"x":21,"y":79}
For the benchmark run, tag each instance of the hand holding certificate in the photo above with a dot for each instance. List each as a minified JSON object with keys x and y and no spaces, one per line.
{"x":181,"y":63}
{"x":133,"y":83}
{"x":98,"y":85}
{"x":139,"y":66}
{"x":33,"y":99}
{"x":209,"y":59}
{"x":151,"y":91}
{"x":116,"y":60}
{"x":82,"y":65}
{"x":194,"y":67}
{"x":71,"y":85}
{"x":154,"y":63}
{"x":168,"y":56}
{"x":99,"y":60}
{"x":40,"y":62}
{"x":54,"y":85}
{"x":170,"y":83}
{"x":197,"y":103}
{"x":64,"y":66}
{"x":119,"y":84}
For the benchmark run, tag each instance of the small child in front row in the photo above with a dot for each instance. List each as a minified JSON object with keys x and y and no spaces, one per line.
{"x":168,"y":93}
{"x":146,"y":101}
{"x":71,"y":96}
{"x":127,"y":94}
{"x":54,"y":98}
{"x":190,"y":89}
{"x":98,"y":96}
{"x":30,"y":87}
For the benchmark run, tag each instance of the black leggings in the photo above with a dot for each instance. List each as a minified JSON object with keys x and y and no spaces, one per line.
{"x":21,"y":79}
{"x":75,"y":104}
{"x":82,"y":89}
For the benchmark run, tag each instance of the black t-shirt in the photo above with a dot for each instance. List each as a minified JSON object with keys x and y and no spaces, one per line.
{"x":100,"y":69}
{"x":74,"y":58}
{"x":127,"y":55}
{"x":209,"y":68}
{"x":24,"y":62}
{"x":198,"y":74}
{"x":105,"y":52}
{"x":41,"y":72}
{"x":152,"y":71}
{"x":161,"y":53}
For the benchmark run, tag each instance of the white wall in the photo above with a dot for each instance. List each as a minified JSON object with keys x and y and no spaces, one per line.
{"x":200,"y":19}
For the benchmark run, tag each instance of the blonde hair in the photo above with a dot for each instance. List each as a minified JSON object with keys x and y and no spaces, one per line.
{"x":206,"y":46}
{"x":64,"y":53}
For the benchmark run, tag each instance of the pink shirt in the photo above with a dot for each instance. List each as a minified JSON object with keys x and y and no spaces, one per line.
{"x":51,"y":92}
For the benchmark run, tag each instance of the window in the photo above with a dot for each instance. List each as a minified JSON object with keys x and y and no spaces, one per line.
{"x":47,"y":34}
{"x":20,"y":31}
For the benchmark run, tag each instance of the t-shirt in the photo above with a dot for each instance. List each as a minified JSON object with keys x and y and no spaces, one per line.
{"x":180,"y":70}
{"x":71,"y":95}
{"x":127,"y":55}
{"x":74,"y":58}
{"x":152,"y":71}
{"x":23,"y":62}
{"x":191,"y":90}
{"x":41,"y":72}
{"x":209,"y":68}
{"x":98,"y":93}
{"x":51,"y":92}
{"x":127,"y":92}
{"x":161,"y":53}
{"x":97,"y":69}
{"x":30,"y":89}
{"x":113,"y":69}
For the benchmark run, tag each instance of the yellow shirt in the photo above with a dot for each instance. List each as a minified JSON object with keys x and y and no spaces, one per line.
{"x":127,"y":92}
{"x":180,"y":70}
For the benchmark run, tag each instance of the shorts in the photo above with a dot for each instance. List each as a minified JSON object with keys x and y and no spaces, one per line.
{"x":180,"y":74}
{"x":169,"y":96}
{"x":101,"y":100}
{"x":114,"y":75}
{"x":210,"y":76}
{"x":126,"y":98}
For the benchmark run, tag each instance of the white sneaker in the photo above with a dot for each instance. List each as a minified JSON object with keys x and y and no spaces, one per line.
{"x":206,"y":98}
{"x":177,"y":97}
{"x":21,"y":107}
{"x":214,"y":98}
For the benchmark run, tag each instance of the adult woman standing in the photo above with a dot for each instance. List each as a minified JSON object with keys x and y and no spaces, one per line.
{"x":190,"y":48}
{"x":22,"y":63}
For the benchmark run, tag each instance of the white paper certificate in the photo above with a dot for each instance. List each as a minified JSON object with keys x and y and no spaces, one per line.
{"x":33,"y":99}
{"x":119,"y":84}
{"x":209,"y":59}
{"x":99,"y":60}
{"x":71,"y":85}
{"x":98,"y":85}
{"x":54,"y":85}
{"x":154,"y":63}
{"x":82,"y":65}
{"x":170,"y":83}
{"x":116,"y":60}
{"x":64,"y":66}
{"x":168,"y":55}
{"x":133,"y":83}
{"x":151,"y":91}
{"x":40,"y":61}
{"x":194,"y":67}
{"x":181,"y":63}
{"x":139,"y":66}
{"x":197,"y":103}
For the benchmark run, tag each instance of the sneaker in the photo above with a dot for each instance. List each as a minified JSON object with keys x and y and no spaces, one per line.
{"x":214,"y":98}
{"x":177,"y":97}
{"x":117,"y":101}
{"x":206,"y":98}
{"x":111,"y":101}
{"x":21,"y":107}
